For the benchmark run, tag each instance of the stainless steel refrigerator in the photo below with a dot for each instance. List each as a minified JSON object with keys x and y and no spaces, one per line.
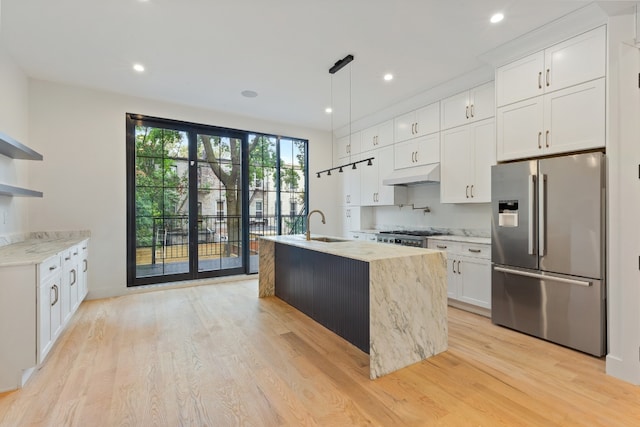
{"x":548,"y":240}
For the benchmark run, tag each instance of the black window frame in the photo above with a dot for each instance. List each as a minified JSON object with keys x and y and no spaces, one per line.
{"x":131,"y":120}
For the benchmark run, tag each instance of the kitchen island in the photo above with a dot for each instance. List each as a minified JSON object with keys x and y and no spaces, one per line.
{"x":390,"y":301}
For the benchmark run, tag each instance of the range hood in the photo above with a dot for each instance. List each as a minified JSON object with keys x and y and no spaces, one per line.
{"x":414,"y":175}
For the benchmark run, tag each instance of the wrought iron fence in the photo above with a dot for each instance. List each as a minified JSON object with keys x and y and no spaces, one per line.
{"x":217,"y":235}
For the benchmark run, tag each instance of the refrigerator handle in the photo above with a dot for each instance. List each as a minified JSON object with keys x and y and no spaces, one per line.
{"x":531,"y":238}
{"x":543,"y":276}
{"x":541,"y":214}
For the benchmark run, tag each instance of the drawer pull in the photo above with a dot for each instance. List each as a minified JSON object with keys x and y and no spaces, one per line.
{"x":75,"y":253}
{"x":475,"y":251}
{"x":53,"y":267}
{"x":441,"y":246}
{"x":67,"y":258}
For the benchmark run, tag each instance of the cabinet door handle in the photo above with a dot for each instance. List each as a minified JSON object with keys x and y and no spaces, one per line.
{"x":86,"y":265}
{"x":471,"y":109}
{"x":547,"y":78}
{"x":472,"y":191}
{"x":441,"y":246}
{"x":416,"y":128}
{"x":540,"y":80}
{"x":75,"y":277}
{"x":459,"y":268}
{"x":539,"y":140}
{"x":55,"y":289}
{"x":475,"y":251}
{"x":453,"y":266}
{"x":467,"y":112}
{"x":466,"y":192}
{"x":417,"y":156}
{"x":546,"y":139}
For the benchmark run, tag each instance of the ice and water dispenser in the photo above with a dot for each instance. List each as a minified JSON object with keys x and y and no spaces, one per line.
{"x":508,"y":213}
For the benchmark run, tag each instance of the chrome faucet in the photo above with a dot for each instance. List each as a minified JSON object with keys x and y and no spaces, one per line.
{"x":309,"y":222}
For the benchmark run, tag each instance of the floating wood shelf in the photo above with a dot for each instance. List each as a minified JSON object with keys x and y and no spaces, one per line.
{"x":8,"y":190}
{"x":12,"y":148}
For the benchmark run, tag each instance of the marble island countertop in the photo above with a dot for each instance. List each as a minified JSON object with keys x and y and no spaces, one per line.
{"x":37,"y":247}
{"x":407,"y":293}
{"x":355,"y":249}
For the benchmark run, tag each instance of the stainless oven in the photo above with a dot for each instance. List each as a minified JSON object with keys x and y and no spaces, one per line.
{"x":415,"y":238}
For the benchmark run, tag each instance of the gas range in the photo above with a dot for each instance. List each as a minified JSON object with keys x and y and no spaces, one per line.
{"x":416,"y":238}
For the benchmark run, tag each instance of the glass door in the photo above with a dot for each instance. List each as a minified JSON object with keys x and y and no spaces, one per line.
{"x":220,"y":237}
{"x":199,"y":198}
{"x":161,"y":202}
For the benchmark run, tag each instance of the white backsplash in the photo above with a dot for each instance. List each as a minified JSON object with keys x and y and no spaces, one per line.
{"x":470,"y":219}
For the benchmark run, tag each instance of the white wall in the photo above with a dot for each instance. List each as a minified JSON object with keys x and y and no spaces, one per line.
{"x":14,"y":123}
{"x":623,"y":152}
{"x":470,"y":216}
{"x":81,"y":134}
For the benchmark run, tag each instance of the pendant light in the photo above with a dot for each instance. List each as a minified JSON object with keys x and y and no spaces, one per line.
{"x":340,"y":64}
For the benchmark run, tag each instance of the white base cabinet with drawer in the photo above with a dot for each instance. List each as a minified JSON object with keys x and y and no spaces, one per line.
{"x":468,"y":272}
{"x":50,"y":312}
{"x":36,"y":303}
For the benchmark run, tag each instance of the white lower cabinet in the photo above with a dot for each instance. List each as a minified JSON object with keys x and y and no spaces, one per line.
{"x":36,"y":303}
{"x":363,"y":236}
{"x":49,"y":304}
{"x":468,"y":271}
{"x":83,"y":272}
{"x":70,"y":299}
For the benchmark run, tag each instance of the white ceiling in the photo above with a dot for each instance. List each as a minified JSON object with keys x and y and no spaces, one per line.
{"x":205,"y":52}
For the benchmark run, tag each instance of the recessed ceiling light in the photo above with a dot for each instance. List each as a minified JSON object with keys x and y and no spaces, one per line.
{"x":497,"y":18}
{"x":138,"y":67}
{"x":388,"y":77}
{"x":249,"y":93}
{"x":328,"y":110}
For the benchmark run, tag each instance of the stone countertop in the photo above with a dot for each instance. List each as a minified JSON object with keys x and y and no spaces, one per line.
{"x":36,"y":250}
{"x":354,"y":249}
{"x":463,"y":239}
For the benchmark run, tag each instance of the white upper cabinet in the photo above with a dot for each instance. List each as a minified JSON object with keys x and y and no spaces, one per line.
{"x":475,"y":104}
{"x":348,"y":145}
{"x":574,"y":61}
{"x":423,"y":121}
{"x":417,"y":152}
{"x":374,"y":193}
{"x":562,"y":121}
{"x":467,"y":154}
{"x":377,"y":136}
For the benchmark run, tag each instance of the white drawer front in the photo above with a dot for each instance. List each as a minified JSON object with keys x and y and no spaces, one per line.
{"x":476,"y":250}
{"x":49,"y":267}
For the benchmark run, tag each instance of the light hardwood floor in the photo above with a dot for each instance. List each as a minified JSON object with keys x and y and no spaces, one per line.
{"x":219,"y":356}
